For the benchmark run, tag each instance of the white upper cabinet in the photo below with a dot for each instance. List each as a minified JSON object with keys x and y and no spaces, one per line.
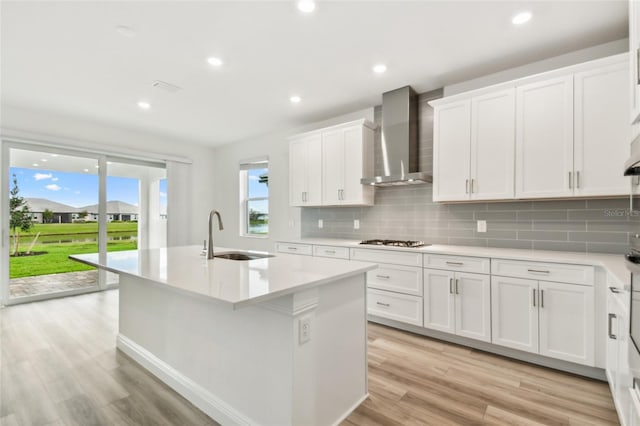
{"x":601,"y":131}
{"x":305,"y":173}
{"x":326,"y":165}
{"x":347,"y":156}
{"x":634,"y":56}
{"x":492,"y":146}
{"x":544,"y":139}
{"x":452,"y":151}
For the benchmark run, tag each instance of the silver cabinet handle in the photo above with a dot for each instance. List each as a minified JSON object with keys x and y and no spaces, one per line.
{"x":292,"y":248}
{"x":466,"y":186}
{"x":534,"y":297}
{"x":570,"y":185}
{"x":610,"y":331}
{"x":454,"y":263}
{"x":542,"y":298}
{"x":638,"y":66}
{"x":457,"y":289}
{"x":330,"y":251}
{"x":342,"y":194}
{"x":472,"y":180}
{"x":386,"y":277}
{"x":450,"y":285}
{"x":614,"y":290}
{"x":383,"y":304}
{"x":538,"y":271}
{"x":578,"y":179}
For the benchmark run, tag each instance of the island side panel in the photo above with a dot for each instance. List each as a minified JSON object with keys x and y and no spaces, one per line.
{"x":238,"y":363}
{"x":339,"y":361}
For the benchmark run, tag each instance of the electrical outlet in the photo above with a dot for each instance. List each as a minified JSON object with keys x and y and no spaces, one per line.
{"x":304,"y":330}
{"x":356,"y":224}
{"x":320,"y":224}
{"x":482,"y":226}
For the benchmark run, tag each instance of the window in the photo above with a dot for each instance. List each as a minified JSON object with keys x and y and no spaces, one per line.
{"x":254,"y":198}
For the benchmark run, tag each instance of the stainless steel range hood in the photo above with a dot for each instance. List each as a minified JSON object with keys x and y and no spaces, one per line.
{"x":399,"y":140}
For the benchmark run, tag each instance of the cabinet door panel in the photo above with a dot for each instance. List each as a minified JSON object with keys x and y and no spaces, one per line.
{"x":473,"y":306}
{"x":514,"y":312}
{"x":353,"y":167}
{"x":332,"y":165}
{"x":567,"y":322}
{"x":493,"y":146}
{"x":544,"y":139}
{"x":297,"y":171}
{"x":314,"y":171}
{"x":439,"y":300}
{"x":613,"y":322}
{"x":451,"y":151}
{"x":602,"y":131}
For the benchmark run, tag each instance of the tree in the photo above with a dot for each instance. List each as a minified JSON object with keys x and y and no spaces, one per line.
{"x":47,"y":216}
{"x":20,"y":215}
{"x":83,"y":214}
{"x":264,"y":178}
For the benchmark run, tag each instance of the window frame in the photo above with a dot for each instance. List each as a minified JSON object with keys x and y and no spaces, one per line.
{"x":245,"y":166}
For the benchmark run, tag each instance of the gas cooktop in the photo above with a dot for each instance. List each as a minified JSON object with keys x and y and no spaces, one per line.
{"x":394,"y":243}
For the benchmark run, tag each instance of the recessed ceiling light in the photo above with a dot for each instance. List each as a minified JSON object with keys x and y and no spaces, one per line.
{"x":306,"y":6}
{"x":379,"y":68}
{"x":109,"y":162}
{"x":216,"y":62}
{"x":54,"y":155}
{"x":144,"y":105}
{"x":35,"y":164}
{"x":86,"y":170}
{"x":97,"y":167}
{"x":295,"y":99}
{"x":44,"y":160}
{"x":521,"y":18}
{"x":126,"y":31}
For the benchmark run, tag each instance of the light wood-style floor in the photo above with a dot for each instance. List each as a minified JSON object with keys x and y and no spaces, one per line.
{"x":59,"y":366}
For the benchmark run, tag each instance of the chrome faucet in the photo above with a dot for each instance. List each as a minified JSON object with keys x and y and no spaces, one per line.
{"x":220,"y":227}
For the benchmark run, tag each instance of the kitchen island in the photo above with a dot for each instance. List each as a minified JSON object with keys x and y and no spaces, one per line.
{"x":273,"y":341}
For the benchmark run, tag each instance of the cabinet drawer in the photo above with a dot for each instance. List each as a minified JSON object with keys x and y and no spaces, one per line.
{"x":403,"y":279}
{"x":558,"y":272}
{"x":395,"y":306}
{"x":331,"y":251}
{"x":387,"y":256}
{"x":478,"y":265}
{"x":295,"y":248}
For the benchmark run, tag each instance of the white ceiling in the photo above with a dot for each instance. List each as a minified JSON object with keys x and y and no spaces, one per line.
{"x":67,"y":56}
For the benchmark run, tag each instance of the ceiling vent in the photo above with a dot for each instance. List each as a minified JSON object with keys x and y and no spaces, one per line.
{"x":167,"y":87}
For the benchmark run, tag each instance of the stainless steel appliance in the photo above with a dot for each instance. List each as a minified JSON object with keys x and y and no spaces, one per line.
{"x":394,"y":243}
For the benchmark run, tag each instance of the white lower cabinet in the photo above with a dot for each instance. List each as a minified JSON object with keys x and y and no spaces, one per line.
{"x":552,"y":319}
{"x":617,"y":366}
{"x":458,"y":302}
{"x":514,"y":313}
{"x":395,"y":306}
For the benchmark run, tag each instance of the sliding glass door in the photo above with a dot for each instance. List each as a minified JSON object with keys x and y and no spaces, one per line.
{"x":68,"y":202}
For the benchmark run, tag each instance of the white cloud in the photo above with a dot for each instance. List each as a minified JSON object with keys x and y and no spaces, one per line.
{"x":163,"y":194}
{"x":53,"y":187}
{"x":54,"y":179}
{"x":76,"y":192}
{"x":42,"y":176}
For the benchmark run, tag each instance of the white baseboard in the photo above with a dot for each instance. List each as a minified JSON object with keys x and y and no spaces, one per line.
{"x":213,"y":406}
{"x":351,"y":410}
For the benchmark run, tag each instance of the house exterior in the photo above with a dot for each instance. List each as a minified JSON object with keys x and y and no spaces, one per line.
{"x":62,"y":213}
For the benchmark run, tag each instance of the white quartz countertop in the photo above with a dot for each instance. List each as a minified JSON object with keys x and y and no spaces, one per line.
{"x":612,"y":263}
{"x":239,"y":283}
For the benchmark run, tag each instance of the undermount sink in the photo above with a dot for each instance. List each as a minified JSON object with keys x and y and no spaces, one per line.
{"x":239,"y":255}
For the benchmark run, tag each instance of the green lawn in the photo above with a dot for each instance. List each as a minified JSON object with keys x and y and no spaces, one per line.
{"x":56,"y":260}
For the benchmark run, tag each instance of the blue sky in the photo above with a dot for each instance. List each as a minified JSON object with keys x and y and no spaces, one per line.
{"x":76,"y":189}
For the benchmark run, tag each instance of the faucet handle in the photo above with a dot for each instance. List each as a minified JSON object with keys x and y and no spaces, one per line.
{"x":204,"y":249}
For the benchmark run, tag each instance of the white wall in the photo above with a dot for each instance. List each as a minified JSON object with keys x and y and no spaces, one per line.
{"x":90,"y":135}
{"x":284,"y":221}
{"x":571,"y":58}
